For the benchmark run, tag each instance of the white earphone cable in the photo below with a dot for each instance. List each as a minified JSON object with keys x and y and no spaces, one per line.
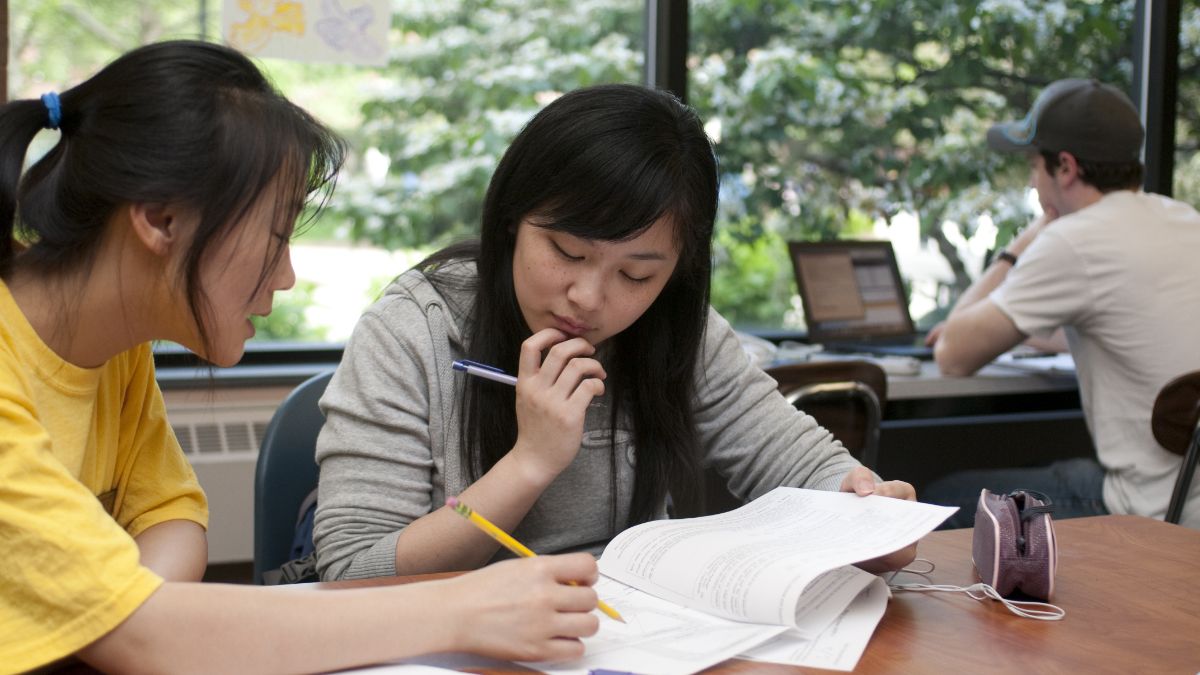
{"x":1029,"y":609}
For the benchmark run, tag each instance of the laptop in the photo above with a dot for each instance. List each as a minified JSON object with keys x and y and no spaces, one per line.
{"x":853,"y":298}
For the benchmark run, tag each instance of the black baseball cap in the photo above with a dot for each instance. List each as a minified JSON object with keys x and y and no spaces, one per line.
{"x":1087,"y":118}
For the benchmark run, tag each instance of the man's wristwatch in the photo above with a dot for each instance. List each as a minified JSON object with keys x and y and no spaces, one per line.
{"x":1007,"y":257}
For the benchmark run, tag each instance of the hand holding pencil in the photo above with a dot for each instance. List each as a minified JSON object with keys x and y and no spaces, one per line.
{"x":524,"y":609}
{"x":511,"y":544}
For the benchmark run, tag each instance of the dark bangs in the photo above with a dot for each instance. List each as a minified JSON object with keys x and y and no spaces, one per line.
{"x":608,"y":197}
{"x":606,"y":163}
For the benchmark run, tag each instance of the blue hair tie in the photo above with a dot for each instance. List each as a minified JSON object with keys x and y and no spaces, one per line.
{"x":53,"y":109}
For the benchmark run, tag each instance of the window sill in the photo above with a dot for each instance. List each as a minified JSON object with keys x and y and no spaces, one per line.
{"x":265,"y":364}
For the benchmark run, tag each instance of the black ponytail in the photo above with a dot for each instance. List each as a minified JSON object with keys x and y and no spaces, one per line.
{"x":185,"y":122}
{"x":19,"y":123}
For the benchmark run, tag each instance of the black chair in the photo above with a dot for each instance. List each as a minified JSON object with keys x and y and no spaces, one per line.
{"x":844,"y":396}
{"x":286,"y":473}
{"x":1176,"y":426}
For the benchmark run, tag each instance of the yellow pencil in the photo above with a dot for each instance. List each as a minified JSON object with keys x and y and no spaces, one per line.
{"x":510,"y":543}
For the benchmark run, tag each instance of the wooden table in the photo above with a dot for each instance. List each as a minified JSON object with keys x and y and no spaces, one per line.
{"x":1130,"y":587}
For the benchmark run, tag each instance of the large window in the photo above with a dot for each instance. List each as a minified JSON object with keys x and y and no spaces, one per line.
{"x":464,"y":77}
{"x":833,"y":118}
{"x":866,"y":119}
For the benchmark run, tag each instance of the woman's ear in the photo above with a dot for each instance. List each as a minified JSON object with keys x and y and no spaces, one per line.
{"x":155,"y":224}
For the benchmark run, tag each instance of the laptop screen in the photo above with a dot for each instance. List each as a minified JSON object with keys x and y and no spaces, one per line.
{"x":851,"y":290}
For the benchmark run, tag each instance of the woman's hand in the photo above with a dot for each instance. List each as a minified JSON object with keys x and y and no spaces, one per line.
{"x":553,"y":394}
{"x":533,"y":609}
{"x":861,"y":481}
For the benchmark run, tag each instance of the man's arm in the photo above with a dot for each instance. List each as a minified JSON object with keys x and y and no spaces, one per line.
{"x":997,"y":272}
{"x":973,"y":336}
{"x":976,"y":330}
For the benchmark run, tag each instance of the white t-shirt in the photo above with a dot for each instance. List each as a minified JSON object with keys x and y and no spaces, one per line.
{"x":1122,"y":276}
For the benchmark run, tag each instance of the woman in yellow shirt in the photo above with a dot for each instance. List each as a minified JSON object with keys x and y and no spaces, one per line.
{"x":164,"y":213}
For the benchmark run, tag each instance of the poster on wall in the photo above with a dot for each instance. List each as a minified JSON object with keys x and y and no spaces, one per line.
{"x":329,"y":31}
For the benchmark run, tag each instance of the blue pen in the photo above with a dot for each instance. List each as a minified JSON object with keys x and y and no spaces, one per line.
{"x":496,"y":375}
{"x":485,"y":371}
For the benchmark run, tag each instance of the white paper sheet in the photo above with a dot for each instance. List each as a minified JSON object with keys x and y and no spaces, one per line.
{"x":840,"y":645}
{"x":659,"y":637}
{"x":754,"y":563}
{"x":1051,"y":364}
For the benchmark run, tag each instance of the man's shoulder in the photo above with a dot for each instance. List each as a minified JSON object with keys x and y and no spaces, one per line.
{"x":1122,"y":208}
{"x":1112,"y":208}
{"x":1122,"y":222}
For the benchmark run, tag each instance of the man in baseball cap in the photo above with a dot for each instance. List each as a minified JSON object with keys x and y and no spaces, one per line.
{"x":1089,"y":119}
{"x":1109,"y":268}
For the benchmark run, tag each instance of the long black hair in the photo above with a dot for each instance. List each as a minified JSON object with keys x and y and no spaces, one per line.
{"x":603,"y":163}
{"x":183,"y":122}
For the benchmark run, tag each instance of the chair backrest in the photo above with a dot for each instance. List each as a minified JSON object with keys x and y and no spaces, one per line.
{"x":1176,"y":411}
{"x":286,"y":472}
{"x":1175,"y":422}
{"x":837,"y":394}
{"x":844,"y":396}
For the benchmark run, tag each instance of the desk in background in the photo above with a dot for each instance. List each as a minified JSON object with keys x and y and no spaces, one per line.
{"x":999,"y":417}
{"x":1130,"y":587}
{"x":990,"y":381}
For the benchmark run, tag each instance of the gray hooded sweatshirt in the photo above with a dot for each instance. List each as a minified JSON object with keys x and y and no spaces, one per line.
{"x":390,"y":451}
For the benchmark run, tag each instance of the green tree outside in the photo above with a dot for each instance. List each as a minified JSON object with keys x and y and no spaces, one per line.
{"x":828,"y":115}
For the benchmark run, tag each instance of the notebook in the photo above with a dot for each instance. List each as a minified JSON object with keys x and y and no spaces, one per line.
{"x":853,"y":298}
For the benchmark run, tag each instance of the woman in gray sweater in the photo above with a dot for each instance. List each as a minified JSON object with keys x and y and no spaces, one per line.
{"x":590,"y":282}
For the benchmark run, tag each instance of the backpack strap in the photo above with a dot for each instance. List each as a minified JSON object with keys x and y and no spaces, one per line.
{"x":296,"y":571}
{"x":310,"y":500}
{"x":302,"y":536}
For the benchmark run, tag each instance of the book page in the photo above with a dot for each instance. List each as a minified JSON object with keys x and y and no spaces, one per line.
{"x":824,"y":600}
{"x":755,"y":562}
{"x":659,"y":637}
{"x":840,"y":645}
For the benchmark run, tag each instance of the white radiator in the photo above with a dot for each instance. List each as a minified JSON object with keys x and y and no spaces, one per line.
{"x":220,"y":431}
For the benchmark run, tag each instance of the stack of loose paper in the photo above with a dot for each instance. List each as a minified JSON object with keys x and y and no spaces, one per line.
{"x":772,"y":580}
{"x":1052,"y":364}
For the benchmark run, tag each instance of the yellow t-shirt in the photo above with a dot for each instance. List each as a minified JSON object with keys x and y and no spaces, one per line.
{"x":87,"y":462}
